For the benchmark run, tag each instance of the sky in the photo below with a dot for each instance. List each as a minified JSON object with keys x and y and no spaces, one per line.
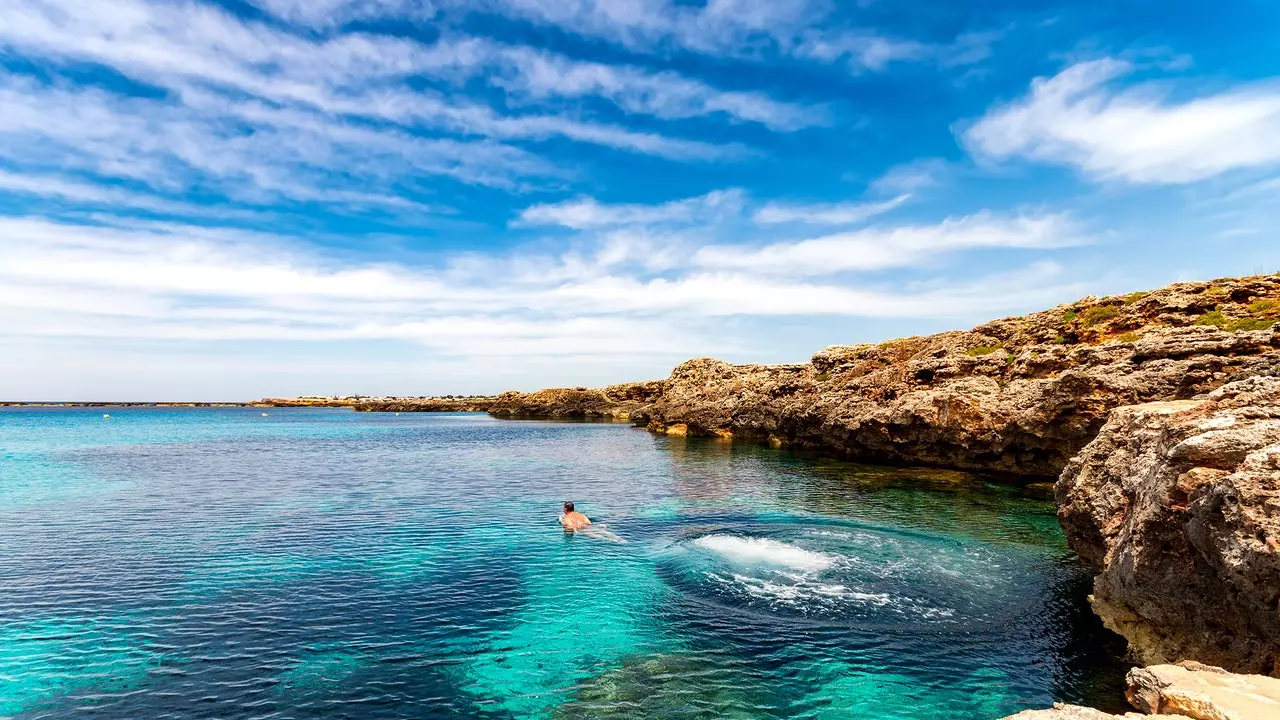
{"x":230,"y":199}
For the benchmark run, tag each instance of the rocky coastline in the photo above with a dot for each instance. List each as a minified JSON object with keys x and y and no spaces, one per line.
{"x":1156,"y":413}
{"x":362,"y":403}
{"x":1017,"y":396}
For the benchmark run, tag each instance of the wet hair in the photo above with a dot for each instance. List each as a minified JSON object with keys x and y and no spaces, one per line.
{"x":568,"y":506}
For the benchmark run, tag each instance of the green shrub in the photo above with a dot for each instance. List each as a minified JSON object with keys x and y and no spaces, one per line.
{"x":1061,"y":340}
{"x":1214,"y":318}
{"x":1134,"y":297}
{"x":1070,"y":316}
{"x":1128,"y":337}
{"x":1099,"y":314}
{"x":1218,"y":320}
{"x":822,"y":377}
{"x":1265,"y":307}
{"x":1253,"y":324}
{"x":981,"y":350}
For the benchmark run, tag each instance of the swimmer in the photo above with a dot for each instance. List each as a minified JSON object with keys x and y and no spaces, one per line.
{"x":575,"y":522}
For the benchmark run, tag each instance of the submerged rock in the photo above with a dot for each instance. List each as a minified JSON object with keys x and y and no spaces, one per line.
{"x":1177,"y":506}
{"x":666,"y":685}
{"x":1186,"y":691}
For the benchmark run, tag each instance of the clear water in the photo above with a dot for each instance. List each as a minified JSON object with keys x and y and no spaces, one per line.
{"x":214,"y":563}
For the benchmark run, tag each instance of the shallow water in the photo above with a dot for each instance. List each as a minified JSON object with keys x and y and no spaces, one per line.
{"x":215,"y":563}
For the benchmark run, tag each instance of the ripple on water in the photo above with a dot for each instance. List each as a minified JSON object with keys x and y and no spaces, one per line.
{"x":217,"y":564}
{"x":863,"y":576}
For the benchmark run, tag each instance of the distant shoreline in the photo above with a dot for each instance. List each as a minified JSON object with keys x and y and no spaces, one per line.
{"x":105,"y":403}
{"x":360,"y":403}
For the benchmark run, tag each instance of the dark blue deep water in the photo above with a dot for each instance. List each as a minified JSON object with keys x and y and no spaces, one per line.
{"x":194,"y":563}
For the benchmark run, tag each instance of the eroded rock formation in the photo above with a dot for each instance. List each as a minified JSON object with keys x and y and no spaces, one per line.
{"x":1177,"y":506}
{"x":1018,"y":395}
{"x":619,"y":402}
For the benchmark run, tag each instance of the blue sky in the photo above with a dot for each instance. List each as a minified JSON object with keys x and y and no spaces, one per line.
{"x":234,"y":198}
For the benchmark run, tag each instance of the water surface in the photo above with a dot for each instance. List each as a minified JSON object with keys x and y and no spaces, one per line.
{"x":216,"y":563}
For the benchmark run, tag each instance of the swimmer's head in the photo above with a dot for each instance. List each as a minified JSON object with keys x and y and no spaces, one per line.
{"x":568,"y":506}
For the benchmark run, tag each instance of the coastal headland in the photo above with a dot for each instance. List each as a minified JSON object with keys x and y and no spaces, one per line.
{"x":1157,"y":413}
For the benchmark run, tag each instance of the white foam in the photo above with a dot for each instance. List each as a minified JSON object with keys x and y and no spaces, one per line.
{"x":747,"y":550}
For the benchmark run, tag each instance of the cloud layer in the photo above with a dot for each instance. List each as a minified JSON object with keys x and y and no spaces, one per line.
{"x":1081,"y":117}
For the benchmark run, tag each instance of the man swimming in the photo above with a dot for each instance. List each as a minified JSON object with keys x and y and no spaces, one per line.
{"x":575,"y":522}
{"x":572,"y":520}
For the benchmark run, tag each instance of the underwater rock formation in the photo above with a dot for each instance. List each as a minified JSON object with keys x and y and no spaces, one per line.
{"x":1177,"y":506}
{"x":1186,"y":691}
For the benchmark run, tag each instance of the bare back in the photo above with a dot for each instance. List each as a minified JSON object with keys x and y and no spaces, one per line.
{"x":574,"y":520}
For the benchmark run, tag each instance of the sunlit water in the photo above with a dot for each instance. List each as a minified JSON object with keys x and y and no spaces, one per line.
{"x":196,"y":563}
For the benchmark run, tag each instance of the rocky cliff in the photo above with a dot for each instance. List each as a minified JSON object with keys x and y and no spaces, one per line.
{"x":1018,"y":396}
{"x":1177,"y":507}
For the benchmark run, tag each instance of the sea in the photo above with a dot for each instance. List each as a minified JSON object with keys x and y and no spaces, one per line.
{"x":321,"y":563}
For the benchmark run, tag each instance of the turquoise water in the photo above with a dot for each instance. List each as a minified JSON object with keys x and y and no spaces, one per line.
{"x":215,"y":563}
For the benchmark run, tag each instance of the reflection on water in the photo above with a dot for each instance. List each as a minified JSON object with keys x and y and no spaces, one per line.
{"x":193,"y":563}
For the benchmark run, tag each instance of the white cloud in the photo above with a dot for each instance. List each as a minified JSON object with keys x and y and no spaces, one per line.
{"x":911,"y":177}
{"x":827,"y":214}
{"x":170,"y":280}
{"x":1139,"y":134}
{"x":862,"y":50}
{"x":328,"y":13}
{"x":243,"y":148}
{"x":880,"y":248}
{"x":586,"y":213}
{"x":804,"y":29}
{"x":718,"y":26}
{"x":667,"y":95}
{"x":192,"y":45}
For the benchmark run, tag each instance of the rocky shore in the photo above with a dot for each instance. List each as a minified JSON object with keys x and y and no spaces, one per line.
{"x":1176,"y":505}
{"x":361,"y":403}
{"x":1185,"y":691}
{"x":1017,"y":396}
{"x":1160,"y":411}
{"x":618,"y":402}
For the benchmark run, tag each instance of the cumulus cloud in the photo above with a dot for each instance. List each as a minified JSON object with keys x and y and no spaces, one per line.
{"x":1085,"y":118}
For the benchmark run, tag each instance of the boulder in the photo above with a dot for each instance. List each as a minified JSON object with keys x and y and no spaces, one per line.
{"x":1185,"y":691}
{"x":1176,"y":505}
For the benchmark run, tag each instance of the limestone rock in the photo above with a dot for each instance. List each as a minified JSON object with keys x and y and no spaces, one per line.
{"x":1185,"y":691}
{"x":1203,"y":692}
{"x":626,"y":401}
{"x":1059,"y":711}
{"x":1018,"y":396}
{"x":1177,"y":506}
